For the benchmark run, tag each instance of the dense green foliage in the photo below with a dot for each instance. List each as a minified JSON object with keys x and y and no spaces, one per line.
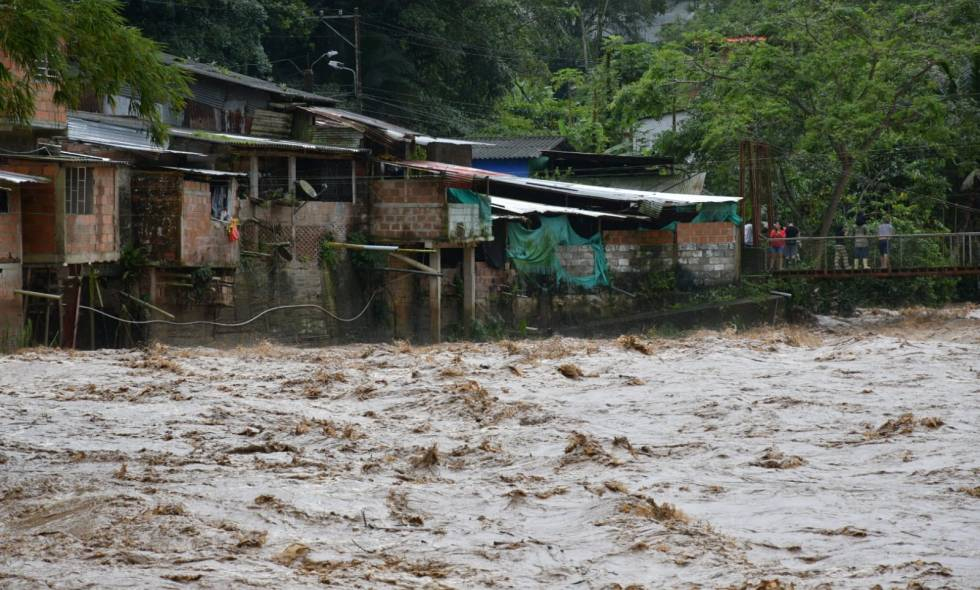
{"x":867,"y":106}
{"x":81,"y":47}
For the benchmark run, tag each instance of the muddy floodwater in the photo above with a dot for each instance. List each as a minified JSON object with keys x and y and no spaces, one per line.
{"x":839,"y":455}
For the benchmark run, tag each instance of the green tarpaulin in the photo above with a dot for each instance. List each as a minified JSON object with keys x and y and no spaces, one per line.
{"x":468,"y":197}
{"x":711,"y":212}
{"x":535,"y":251}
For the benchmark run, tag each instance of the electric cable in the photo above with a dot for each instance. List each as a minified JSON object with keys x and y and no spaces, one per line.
{"x":237,"y":324}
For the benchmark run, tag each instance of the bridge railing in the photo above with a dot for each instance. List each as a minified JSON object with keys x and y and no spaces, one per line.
{"x":903,"y":251}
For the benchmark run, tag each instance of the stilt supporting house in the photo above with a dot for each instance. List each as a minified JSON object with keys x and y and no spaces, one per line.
{"x":435,"y":295}
{"x":469,"y":287}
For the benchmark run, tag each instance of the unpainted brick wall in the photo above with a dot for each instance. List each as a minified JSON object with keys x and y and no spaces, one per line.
{"x":37,"y":201}
{"x":408,"y":210}
{"x":94,"y":236}
{"x":708,"y":251}
{"x":10,"y":236}
{"x":203,"y":241}
{"x":46,"y":112}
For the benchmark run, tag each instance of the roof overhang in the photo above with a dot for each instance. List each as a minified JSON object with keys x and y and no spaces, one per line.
{"x":17,"y":178}
{"x":260,"y":143}
{"x":608,"y":195}
{"x":520,"y":208}
{"x":205,"y":173}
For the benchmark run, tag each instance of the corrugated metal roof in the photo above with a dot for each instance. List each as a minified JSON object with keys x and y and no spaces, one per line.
{"x":337,"y":135}
{"x":103,"y":130}
{"x":220,"y":73}
{"x":390,"y":130}
{"x":448,"y":169}
{"x":513,"y":148}
{"x":258,"y":142}
{"x":16,"y":178}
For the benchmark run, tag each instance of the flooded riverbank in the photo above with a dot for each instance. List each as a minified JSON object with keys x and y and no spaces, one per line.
{"x":840,"y":455}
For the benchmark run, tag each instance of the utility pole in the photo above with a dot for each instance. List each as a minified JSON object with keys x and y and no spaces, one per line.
{"x":357,"y":59}
{"x":355,"y":45}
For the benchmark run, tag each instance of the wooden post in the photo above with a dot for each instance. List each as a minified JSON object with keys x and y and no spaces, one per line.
{"x":253,"y":177}
{"x":292,"y":174}
{"x":469,"y":288}
{"x":435,"y":297}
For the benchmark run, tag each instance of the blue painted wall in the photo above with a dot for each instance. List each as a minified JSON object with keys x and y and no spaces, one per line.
{"x":515,"y":167}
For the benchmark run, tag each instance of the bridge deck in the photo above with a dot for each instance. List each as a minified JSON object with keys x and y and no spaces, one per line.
{"x":878,"y":272}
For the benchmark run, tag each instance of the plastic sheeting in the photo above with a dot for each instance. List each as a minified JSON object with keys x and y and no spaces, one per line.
{"x":468,"y":197}
{"x":535,"y":251}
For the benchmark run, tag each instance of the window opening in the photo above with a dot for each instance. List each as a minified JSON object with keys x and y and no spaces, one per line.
{"x":78,"y":191}
{"x":4,"y":200}
{"x":219,"y":201}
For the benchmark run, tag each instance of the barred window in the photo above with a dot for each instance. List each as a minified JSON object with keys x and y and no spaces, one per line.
{"x":78,"y":191}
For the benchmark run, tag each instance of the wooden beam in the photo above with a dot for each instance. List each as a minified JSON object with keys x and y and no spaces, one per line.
{"x":147,"y":305}
{"x":413,"y":263}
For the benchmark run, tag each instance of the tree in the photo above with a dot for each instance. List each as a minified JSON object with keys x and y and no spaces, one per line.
{"x":832,"y":76}
{"x":82,"y":47}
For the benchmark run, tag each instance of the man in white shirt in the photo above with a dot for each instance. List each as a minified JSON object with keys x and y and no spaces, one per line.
{"x":885,"y":232}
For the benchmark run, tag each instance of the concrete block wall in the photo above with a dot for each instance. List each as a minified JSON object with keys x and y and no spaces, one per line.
{"x":577,"y":260}
{"x":638,"y":251}
{"x":94,"y":237}
{"x":204,"y":241}
{"x":489,"y":280}
{"x":408,"y":210}
{"x":708,"y":251}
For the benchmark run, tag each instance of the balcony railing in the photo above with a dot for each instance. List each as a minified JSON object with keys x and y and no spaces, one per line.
{"x":906,"y":252}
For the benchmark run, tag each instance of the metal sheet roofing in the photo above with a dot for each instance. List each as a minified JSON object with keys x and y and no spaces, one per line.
{"x":249,"y":141}
{"x":612,"y":194}
{"x":390,"y":130}
{"x":620,"y":195}
{"x":518,"y":207}
{"x":203,"y":172}
{"x":514,"y":148}
{"x":226,"y":75}
{"x":17,"y":178}
{"x":115,"y":132}
{"x":464,"y":172}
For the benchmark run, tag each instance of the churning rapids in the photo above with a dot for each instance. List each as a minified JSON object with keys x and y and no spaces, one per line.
{"x":840,"y":455}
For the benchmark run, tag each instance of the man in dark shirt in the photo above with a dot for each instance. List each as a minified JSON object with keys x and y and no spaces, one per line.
{"x":792,"y":244}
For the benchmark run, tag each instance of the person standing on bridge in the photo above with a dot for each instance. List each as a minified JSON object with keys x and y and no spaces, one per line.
{"x":840,"y":249}
{"x":861,"y":243}
{"x":885,"y":233}
{"x":792,"y":244}
{"x":777,"y":243}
